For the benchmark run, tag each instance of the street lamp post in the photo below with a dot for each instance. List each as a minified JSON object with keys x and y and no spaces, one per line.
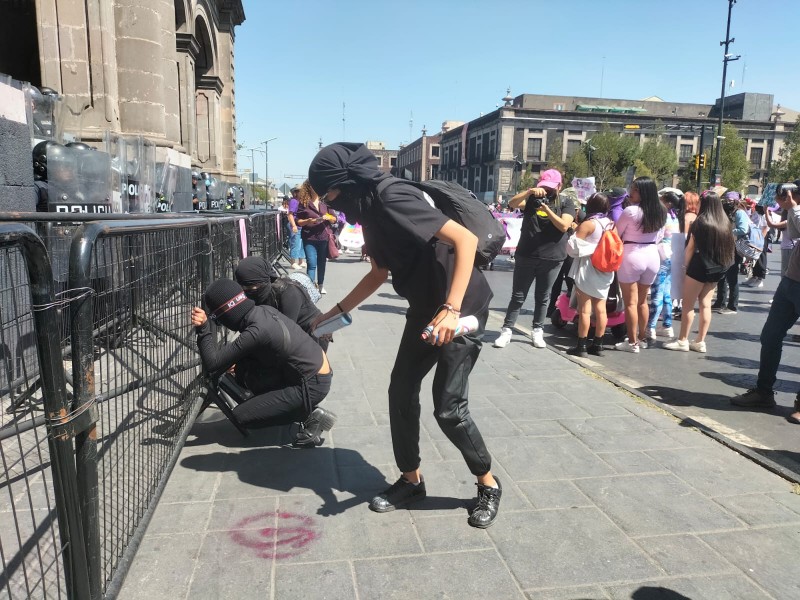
{"x":727,"y":57}
{"x":266,"y":167}
{"x":253,"y":172}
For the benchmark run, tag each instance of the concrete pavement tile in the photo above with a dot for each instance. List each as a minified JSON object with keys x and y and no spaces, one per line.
{"x":333,"y":580}
{"x":681,"y":555}
{"x":184,"y":485}
{"x":370,"y":445}
{"x":590,"y":592}
{"x":355,"y":533}
{"x":449,"y":575}
{"x":490,"y":421}
{"x":717,"y":471}
{"x":537,"y":406}
{"x":489,"y":384}
{"x":179,"y":518}
{"x":602,"y":409}
{"x":583,"y":389}
{"x":689,"y":437}
{"x":162,"y":568}
{"x":542,"y":428}
{"x":233,"y":564}
{"x":618,"y":434}
{"x":533,"y":374}
{"x":788,"y":499}
{"x":542,"y":458}
{"x":651,"y":413}
{"x":626,"y":463}
{"x":554,"y":494}
{"x":768,"y":556}
{"x":450,"y":533}
{"x":540,"y":555}
{"x":702,"y":587}
{"x":267,"y":471}
{"x":758,"y":509}
{"x":645,"y":505}
{"x":366,"y":478}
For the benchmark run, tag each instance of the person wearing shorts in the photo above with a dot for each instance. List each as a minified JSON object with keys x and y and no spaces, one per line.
{"x":640,"y":227}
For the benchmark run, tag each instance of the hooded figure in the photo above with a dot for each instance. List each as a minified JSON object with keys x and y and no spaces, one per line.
{"x":616,"y":198}
{"x":262,"y":284}
{"x":267,"y":342}
{"x":431,"y":259}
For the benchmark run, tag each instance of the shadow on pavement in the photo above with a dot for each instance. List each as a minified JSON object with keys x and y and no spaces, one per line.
{"x":657,"y":593}
{"x":275,"y":465}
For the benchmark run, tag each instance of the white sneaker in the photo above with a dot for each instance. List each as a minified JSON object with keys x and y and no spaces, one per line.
{"x":751,"y":282}
{"x":626,"y":346}
{"x":651,"y":334}
{"x":759,"y":283}
{"x":297,"y":266}
{"x":537,"y":337}
{"x":666,"y":332}
{"x":679,"y":345}
{"x":322,"y":290}
{"x":504,"y":339}
{"x":643,"y":344}
{"x":697,"y":347}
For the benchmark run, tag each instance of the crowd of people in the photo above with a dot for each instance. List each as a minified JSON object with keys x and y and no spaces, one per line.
{"x":673,"y":252}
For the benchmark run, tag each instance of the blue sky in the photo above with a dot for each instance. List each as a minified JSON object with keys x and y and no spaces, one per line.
{"x":298,"y":61}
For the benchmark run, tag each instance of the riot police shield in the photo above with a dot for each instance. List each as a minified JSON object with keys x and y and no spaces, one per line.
{"x":167,"y":182}
{"x":140,"y":172}
{"x":78,"y":180}
{"x":44,"y":114}
{"x":215,"y":193}
{"x":199,"y":201}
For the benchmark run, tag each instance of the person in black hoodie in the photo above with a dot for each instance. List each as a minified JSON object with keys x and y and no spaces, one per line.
{"x":262,"y":284}
{"x":272,"y":340}
{"x":431,"y":258}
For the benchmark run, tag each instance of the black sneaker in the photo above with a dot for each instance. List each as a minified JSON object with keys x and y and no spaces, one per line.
{"x":485,"y":512}
{"x":755,"y":398}
{"x":400,"y":493}
{"x":311,"y":430}
{"x":596,"y":349}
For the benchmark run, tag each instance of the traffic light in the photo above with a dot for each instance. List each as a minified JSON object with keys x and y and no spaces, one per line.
{"x":699,"y":161}
{"x":696,"y":162}
{"x":702,"y":161}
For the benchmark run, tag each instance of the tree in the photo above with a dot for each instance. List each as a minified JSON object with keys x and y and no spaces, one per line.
{"x":577,"y":165}
{"x":688,"y":178}
{"x":555,"y":155}
{"x":657,"y":160}
{"x":527,"y":180}
{"x":733,"y":164}
{"x":787,"y":166}
{"x":611,"y":155}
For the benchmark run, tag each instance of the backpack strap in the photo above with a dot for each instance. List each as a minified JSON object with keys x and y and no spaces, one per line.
{"x":286,"y":336}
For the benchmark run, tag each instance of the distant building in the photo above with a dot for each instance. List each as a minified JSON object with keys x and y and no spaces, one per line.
{"x":387,"y":159}
{"x":421,"y":157}
{"x":482,"y":154}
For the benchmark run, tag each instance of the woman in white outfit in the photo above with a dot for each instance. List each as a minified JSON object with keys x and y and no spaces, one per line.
{"x":592,"y":286}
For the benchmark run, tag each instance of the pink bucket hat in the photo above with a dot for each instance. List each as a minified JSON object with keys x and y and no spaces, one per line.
{"x":550,"y":178}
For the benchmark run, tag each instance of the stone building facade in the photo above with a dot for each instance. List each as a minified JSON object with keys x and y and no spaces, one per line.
{"x":163,"y":69}
{"x":387,"y":159}
{"x":421,"y":157}
{"x":482,"y":154}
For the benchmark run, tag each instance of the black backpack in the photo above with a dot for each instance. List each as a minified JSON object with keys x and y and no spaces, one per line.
{"x":461,"y":206}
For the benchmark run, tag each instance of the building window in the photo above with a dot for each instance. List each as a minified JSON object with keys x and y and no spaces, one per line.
{"x":573,"y":146}
{"x":380,"y":160}
{"x":534,"y":149}
{"x":434,"y":151}
{"x":685,"y":152}
{"x":756,"y":154}
{"x":393,"y":161}
{"x":558,"y":107}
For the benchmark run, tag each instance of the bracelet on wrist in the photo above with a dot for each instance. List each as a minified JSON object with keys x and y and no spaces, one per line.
{"x":449,"y":308}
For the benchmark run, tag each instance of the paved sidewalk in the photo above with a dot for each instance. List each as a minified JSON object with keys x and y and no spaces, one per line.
{"x":604,"y":496}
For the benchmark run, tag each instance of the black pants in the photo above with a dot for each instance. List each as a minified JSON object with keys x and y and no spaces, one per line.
{"x":454,"y":362}
{"x":555,"y":292}
{"x":760,"y":266}
{"x":289,"y":404}
{"x":541,"y":274}
{"x":729,"y":286}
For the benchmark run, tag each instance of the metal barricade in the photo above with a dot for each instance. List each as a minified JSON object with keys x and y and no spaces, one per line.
{"x":41,"y":545}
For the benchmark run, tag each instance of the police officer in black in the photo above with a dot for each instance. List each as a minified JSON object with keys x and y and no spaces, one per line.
{"x":431,"y":258}
{"x":271,"y":340}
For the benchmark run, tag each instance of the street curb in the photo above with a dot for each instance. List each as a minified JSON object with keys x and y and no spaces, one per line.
{"x":611,"y":377}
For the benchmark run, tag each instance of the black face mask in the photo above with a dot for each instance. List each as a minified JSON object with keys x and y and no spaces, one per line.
{"x":262,"y":295}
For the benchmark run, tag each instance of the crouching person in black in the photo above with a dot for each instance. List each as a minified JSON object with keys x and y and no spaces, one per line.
{"x":270,"y":340}
{"x":262,"y":285}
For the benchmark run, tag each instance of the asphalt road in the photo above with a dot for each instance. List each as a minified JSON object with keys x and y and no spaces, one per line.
{"x":699,"y":386}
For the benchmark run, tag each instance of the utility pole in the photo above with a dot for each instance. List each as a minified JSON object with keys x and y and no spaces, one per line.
{"x":266,"y":168}
{"x":701,"y":161}
{"x":727,"y":57}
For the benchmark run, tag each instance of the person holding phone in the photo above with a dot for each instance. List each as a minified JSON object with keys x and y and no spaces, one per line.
{"x":315,"y":219}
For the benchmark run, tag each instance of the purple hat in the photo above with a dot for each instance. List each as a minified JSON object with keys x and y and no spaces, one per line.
{"x":550,"y":179}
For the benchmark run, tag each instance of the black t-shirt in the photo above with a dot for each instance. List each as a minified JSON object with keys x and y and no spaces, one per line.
{"x":399,"y":230}
{"x":262,"y":339}
{"x":539,"y":238}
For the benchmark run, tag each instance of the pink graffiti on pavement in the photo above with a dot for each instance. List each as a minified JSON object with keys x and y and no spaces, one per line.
{"x":275,"y":535}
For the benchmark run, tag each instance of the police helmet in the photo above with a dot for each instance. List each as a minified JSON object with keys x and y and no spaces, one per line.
{"x":39,"y":155}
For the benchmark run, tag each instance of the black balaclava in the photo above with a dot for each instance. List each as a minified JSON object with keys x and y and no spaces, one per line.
{"x":351,"y":168}
{"x":256,"y":271}
{"x":227,"y":304}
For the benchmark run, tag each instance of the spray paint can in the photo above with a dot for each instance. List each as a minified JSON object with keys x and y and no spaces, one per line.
{"x":465,"y":325}
{"x":333,"y":324}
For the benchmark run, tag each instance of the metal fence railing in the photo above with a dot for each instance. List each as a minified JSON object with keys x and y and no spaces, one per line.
{"x":125,"y":386}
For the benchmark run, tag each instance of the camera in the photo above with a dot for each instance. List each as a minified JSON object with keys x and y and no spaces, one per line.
{"x":549,"y":198}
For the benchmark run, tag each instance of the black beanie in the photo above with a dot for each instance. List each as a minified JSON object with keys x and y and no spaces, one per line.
{"x":227,"y":303}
